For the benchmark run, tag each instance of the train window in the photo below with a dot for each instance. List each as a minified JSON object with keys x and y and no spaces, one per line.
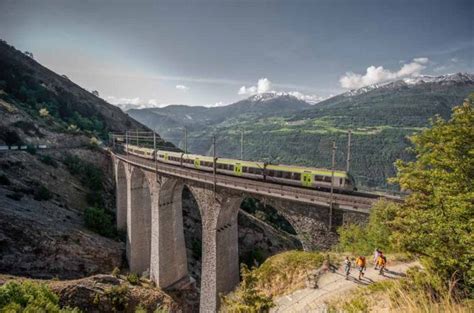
{"x":287,"y":175}
{"x":271,"y":173}
{"x":318,"y":177}
{"x":327,"y":179}
{"x":340,"y":181}
{"x":258,"y":171}
{"x":231,"y":167}
{"x":244,"y":169}
{"x":296,"y":176}
{"x":278,"y":173}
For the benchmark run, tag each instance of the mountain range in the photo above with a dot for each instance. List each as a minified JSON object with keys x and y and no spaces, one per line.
{"x":280,"y":128}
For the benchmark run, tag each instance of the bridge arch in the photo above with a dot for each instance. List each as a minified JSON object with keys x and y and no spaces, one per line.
{"x":139,"y":222}
{"x":122,"y":195}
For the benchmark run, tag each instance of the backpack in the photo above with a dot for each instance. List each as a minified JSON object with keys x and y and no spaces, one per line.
{"x":360,"y":261}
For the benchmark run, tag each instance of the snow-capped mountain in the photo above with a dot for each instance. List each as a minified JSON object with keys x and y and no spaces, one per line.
{"x":311,"y":99}
{"x":454,"y":78}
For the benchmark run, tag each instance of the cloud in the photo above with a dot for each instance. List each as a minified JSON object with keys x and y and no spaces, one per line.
{"x":421,"y":60}
{"x":379,"y":74}
{"x":132,"y":103}
{"x":312,"y":99}
{"x":263,"y":85}
{"x":182,"y":87}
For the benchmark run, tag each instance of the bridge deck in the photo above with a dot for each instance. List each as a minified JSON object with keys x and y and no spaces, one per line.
{"x":352,"y":202}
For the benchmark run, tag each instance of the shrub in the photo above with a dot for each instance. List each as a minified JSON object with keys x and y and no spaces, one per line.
{"x":42,"y":194}
{"x":31,"y":149}
{"x":48,"y":160}
{"x":133,"y":279}
{"x":247,"y":298}
{"x":10,"y":137}
{"x":28,"y":296}
{"x":359,"y":239}
{"x":4,"y":180}
{"x":15,"y":196}
{"x":116,"y":272}
{"x":118,"y":296}
{"x":43,"y":112}
{"x":99,"y":221}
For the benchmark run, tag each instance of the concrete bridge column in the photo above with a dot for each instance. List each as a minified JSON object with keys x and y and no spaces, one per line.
{"x":139,"y":222}
{"x":122,"y":194}
{"x":220,"y":256}
{"x":168,"y":249}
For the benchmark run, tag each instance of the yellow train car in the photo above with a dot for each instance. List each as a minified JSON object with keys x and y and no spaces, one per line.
{"x":283,"y":174}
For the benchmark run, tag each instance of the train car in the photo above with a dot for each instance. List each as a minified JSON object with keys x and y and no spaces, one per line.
{"x":308,"y":177}
{"x":283,"y":174}
{"x":170,"y":157}
{"x":146,"y":153}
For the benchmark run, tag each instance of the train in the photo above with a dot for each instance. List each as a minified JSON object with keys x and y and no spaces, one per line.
{"x":316,"y":178}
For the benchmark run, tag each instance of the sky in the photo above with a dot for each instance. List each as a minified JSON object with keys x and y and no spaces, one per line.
{"x":154,"y":53}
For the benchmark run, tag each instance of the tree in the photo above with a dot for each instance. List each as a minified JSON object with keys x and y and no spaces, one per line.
{"x":29,"y":54}
{"x":43,"y":112}
{"x":95,"y":93}
{"x":437,"y":218}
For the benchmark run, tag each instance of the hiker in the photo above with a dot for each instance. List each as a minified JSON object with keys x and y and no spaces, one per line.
{"x":361,"y":264}
{"x":377,"y":253}
{"x":347,"y":267}
{"x":381,"y":262}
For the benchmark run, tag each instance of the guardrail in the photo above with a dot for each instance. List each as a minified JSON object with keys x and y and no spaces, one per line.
{"x":357,"y":203}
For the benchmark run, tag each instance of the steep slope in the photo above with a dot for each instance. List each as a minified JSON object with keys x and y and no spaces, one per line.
{"x":44,"y":194}
{"x":380,"y":118}
{"x":30,"y":85}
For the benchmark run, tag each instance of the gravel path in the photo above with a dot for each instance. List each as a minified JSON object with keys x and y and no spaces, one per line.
{"x":333,"y":285}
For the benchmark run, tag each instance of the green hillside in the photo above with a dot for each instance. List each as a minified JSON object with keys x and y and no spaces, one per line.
{"x":381,"y":118}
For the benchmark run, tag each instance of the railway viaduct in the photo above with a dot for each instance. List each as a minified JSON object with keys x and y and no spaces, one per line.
{"x":149,"y":208}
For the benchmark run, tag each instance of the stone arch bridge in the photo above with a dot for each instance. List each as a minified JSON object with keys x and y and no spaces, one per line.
{"x":149,"y":208}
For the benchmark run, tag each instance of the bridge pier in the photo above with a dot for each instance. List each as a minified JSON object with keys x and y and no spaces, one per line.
{"x":122,"y":194}
{"x":139,"y":222}
{"x":220,"y":259}
{"x":168,"y":249}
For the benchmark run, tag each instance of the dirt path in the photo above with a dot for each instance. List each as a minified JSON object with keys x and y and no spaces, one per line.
{"x":332,"y":285}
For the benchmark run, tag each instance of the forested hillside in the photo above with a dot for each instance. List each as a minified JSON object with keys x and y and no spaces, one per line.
{"x":380,"y":117}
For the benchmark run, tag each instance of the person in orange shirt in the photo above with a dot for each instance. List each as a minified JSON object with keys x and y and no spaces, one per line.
{"x":361,"y":265}
{"x":381,"y":263}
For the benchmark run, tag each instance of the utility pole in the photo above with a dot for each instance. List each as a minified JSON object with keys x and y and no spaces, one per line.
{"x":137,"y":136}
{"x":241,"y":144}
{"x":126,"y":141}
{"x":214,"y":158}
{"x":332,"y":183}
{"x":348,"y":150}
{"x":185,"y":140}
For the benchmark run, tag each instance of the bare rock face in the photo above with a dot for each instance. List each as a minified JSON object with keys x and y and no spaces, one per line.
{"x":42,"y":231}
{"x":32,"y":248}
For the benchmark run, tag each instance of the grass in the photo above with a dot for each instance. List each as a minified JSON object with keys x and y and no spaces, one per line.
{"x":285,"y":272}
{"x":412,"y":294}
